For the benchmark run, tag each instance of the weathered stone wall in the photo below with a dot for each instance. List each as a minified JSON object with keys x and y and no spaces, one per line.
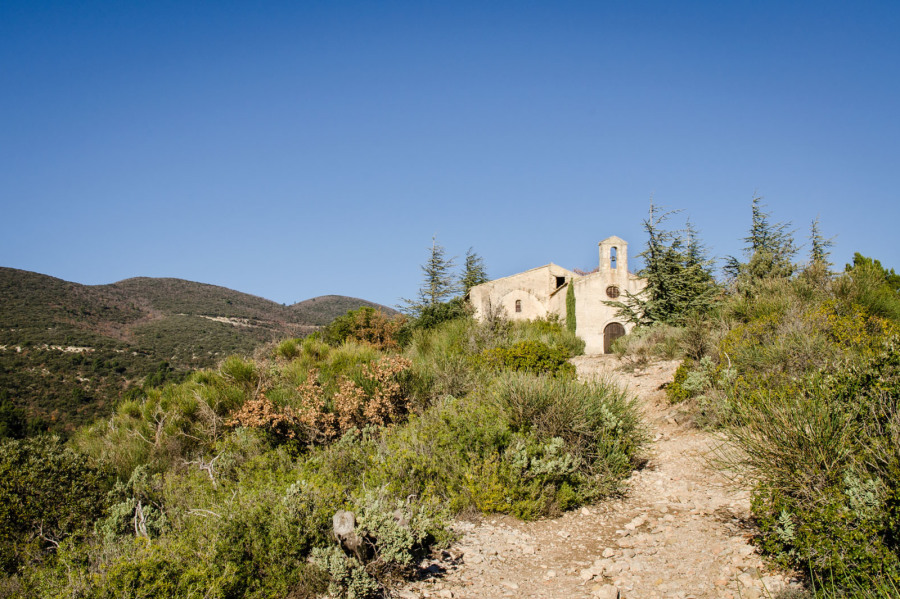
{"x":536,"y":289}
{"x":591,"y":314}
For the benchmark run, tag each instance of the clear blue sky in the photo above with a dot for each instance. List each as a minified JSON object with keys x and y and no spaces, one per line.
{"x":294,"y":149}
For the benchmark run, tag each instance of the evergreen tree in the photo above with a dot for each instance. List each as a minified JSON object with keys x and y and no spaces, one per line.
{"x":770,"y":251}
{"x":571,"y":323}
{"x":678,"y":274}
{"x":438,"y":283}
{"x":474,"y":272}
{"x":819,"y":246}
{"x":889,"y":277}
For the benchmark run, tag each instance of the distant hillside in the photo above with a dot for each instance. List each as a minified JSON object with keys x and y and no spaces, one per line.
{"x":69,"y":351}
{"x":325,"y":308}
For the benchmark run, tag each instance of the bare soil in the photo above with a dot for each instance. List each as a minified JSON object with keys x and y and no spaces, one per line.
{"x":681,"y":529}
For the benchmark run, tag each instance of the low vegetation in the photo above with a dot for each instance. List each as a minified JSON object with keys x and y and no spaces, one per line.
{"x":69,"y":351}
{"x":227,"y":484}
{"x":335,"y":462}
{"x":799,"y":369}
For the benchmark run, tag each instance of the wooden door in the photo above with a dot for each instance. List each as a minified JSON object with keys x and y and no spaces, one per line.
{"x":613,"y":331}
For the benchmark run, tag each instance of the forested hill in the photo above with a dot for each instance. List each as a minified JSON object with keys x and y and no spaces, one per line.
{"x":68,"y":351}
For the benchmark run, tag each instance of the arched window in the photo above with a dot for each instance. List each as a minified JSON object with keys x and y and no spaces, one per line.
{"x":518,"y":305}
{"x":612,"y":257}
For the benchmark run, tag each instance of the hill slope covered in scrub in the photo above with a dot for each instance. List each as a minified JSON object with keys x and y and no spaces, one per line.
{"x":325,"y":308}
{"x":67,"y":351}
{"x":313,"y":467}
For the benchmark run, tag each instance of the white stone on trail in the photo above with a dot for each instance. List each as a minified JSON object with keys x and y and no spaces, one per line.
{"x":607,"y":591}
{"x":678,"y":531}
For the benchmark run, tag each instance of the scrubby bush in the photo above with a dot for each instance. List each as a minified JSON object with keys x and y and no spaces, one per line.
{"x":366,"y":325}
{"x":646,"y":343}
{"x":804,"y":381}
{"x":288,"y":349}
{"x":675,"y":390}
{"x":597,"y":421}
{"x":826,"y":458}
{"x":226,"y":484}
{"x":530,"y":356}
{"x":48,"y":493}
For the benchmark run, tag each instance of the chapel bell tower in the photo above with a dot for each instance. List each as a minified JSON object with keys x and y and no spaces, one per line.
{"x":614,"y":257}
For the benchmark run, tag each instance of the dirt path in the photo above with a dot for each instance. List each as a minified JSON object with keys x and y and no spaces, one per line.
{"x":679,"y":531}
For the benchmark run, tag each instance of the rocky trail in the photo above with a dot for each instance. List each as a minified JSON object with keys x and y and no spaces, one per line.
{"x":680,"y":530}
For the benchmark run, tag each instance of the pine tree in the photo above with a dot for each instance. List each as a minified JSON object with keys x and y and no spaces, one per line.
{"x":819,"y":246}
{"x":474,"y":272}
{"x":438,"y":283}
{"x":678,"y":274}
{"x":770,"y":251}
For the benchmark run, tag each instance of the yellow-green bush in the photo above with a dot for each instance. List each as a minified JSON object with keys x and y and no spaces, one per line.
{"x":227,"y":484}
{"x":535,"y":357}
{"x":806,"y":381}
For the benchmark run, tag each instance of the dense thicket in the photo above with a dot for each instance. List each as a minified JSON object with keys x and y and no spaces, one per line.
{"x":799,"y":368}
{"x":225,"y":485}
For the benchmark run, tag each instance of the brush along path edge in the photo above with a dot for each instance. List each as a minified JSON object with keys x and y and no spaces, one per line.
{"x":681,"y":529}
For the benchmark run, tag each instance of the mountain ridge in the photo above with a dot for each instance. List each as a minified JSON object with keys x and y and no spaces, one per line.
{"x":68,"y":351}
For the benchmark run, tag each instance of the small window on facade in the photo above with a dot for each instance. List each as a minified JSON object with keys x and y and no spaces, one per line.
{"x":612,"y":292}
{"x":560,"y":281}
{"x":612,"y":257}
{"x":518,"y":305}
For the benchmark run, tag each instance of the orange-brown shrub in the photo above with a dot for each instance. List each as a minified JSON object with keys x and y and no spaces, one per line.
{"x":366,"y":325}
{"x":262,"y":413}
{"x":317,"y":418}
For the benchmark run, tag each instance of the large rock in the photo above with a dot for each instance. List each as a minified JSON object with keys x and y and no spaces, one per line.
{"x":343,"y":523}
{"x":607,"y":591}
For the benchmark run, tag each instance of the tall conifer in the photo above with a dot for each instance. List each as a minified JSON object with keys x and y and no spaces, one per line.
{"x":678,"y":274}
{"x":474,"y":272}
{"x":438,"y":284}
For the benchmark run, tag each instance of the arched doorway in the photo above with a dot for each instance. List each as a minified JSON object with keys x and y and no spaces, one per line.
{"x":613,"y":331}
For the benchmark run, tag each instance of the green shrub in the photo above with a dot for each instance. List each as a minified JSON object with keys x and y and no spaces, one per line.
{"x":396,"y":535}
{"x":598,"y":422}
{"x":825,"y":458}
{"x":365,"y":325}
{"x":530,"y":356}
{"x":47,"y":494}
{"x":549,"y":331}
{"x":288,"y":349}
{"x":675,"y":390}
{"x":693,"y":379}
{"x":241,"y":371}
{"x":464,"y":455}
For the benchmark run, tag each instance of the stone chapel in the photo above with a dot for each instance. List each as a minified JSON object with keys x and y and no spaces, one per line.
{"x":541,"y":291}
